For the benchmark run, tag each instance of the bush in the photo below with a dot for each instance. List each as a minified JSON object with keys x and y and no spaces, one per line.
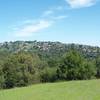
{"x":48,"y":75}
{"x":75,"y":67}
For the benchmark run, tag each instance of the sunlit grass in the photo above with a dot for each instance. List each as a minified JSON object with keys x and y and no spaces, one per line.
{"x":73,"y":90}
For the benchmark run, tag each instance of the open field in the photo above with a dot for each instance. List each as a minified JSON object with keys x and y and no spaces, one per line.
{"x":73,"y":90}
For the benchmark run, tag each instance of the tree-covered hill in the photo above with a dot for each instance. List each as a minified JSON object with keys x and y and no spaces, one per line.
{"x":23,"y":63}
{"x":48,"y":49}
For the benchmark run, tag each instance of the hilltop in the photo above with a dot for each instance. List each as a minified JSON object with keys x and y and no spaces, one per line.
{"x":24,"y":63}
{"x":49,"y":49}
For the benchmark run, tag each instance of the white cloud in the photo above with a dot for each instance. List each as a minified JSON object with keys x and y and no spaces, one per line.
{"x":58,"y":8}
{"x":47,"y":13}
{"x":29,"y":30}
{"x":52,"y":11}
{"x":28,"y":21}
{"x":59,"y":17}
{"x":29,"y":27}
{"x":80,"y":3}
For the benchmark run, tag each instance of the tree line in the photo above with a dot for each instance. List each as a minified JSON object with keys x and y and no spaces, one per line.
{"x":26,"y":68}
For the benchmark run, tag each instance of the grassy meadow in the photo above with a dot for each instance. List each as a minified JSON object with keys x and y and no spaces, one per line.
{"x":73,"y":90}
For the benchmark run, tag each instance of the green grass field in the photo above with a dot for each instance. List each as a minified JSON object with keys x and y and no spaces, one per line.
{"x":73,"y":90}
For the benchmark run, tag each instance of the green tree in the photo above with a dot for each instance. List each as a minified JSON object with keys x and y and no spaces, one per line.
{"x":20,"y":70}
{"x":74,"y":67}
{"x":1,"y":77}
{"x":98,"y":66}
{"x":48,"y":75}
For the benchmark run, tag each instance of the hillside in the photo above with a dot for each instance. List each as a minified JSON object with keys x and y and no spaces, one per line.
{"x":24,"y":63}
{"x":48,"y":49}
{"x":73,"y":90}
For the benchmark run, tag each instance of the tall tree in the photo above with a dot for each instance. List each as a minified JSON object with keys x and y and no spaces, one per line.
{"x":98,"y":66}
{"x":74,"y":67}
{"x":19,"y":70}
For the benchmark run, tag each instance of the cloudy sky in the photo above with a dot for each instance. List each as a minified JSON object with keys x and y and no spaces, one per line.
{"x":68,"y":21}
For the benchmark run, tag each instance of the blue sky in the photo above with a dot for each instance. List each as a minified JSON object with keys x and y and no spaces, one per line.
{"x":68,"y":21}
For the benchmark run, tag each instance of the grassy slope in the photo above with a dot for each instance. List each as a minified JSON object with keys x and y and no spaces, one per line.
{"x":74,"y":90}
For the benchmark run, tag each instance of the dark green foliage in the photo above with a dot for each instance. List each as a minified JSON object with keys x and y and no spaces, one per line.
{"x":98,"y":66}
{"x":1,"y":77}
{"x":48,"y":75}
{"x":27,"y":62}
{"x":74,"y":67}
{"x":87,"y":71}
{"x":19,"y":70}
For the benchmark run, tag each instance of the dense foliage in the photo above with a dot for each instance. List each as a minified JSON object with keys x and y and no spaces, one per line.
{"x":25,"y":63}
{"x":75,"y":67}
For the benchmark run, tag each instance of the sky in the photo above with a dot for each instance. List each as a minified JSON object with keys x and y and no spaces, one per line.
{"x":67,"y":21}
